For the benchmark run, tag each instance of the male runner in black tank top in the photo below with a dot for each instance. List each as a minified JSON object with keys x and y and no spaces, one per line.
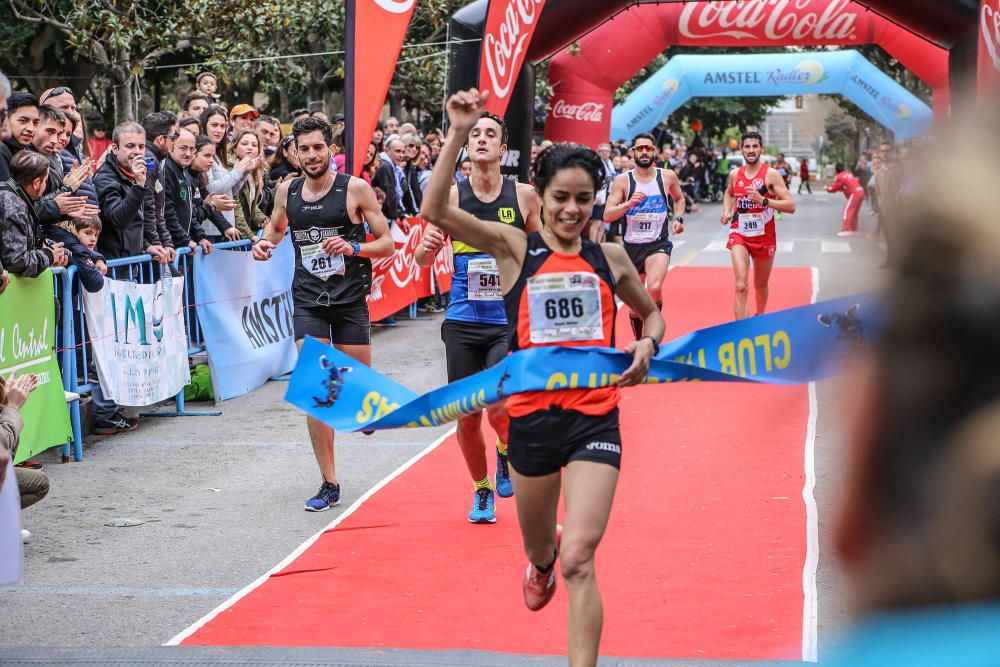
{"x":475,"y":327}
{"x":327,"y":213}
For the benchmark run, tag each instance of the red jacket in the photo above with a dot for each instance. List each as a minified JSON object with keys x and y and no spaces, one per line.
{"x":847,"y":183}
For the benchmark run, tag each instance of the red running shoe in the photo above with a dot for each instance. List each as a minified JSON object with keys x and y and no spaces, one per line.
{"x":540,"y":587}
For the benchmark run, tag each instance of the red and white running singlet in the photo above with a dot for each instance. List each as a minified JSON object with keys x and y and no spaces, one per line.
{"x":754,"y":222}
{"x":566,"y":300}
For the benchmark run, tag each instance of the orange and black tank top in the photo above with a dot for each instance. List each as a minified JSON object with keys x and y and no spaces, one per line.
{"x":566,"y":300}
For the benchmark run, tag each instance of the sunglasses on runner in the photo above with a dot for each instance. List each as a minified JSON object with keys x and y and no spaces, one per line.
{"x":644,"y":149}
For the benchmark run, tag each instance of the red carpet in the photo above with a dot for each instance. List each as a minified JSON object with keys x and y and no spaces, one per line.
{"x":703,"y":557}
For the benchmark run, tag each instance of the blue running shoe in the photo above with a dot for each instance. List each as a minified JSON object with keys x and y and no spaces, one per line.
{"x":504,"y":487}
{"x":482,"y":507}
{"x":327,"y":496}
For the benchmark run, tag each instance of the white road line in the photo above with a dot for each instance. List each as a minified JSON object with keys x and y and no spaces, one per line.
{"x":715,"y":246}
{"x":835,"y":246}
{"x":810,"y":597}
{"x":786,"y":246}
{"x":190,"y":630}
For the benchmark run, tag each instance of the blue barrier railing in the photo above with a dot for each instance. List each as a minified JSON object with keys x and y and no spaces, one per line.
{"x":63,"y":279}
{"x":72,"y":339}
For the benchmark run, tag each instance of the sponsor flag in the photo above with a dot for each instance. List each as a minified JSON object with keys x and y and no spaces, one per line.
{"x":27,"y":337}
{"x":375,"y":33}
{"x":506,"y":36}
{"x":989,"y":48}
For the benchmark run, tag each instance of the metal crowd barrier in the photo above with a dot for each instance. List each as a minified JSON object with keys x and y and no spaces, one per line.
{"x":72,"y":337}
{"x":63,"y":279}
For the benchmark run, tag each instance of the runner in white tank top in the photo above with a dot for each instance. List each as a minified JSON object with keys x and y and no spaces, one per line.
{"x":645,"y":196}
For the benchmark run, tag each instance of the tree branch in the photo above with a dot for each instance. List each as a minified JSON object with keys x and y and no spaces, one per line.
{"x":33,"y":16}
{"x":156,"y":54}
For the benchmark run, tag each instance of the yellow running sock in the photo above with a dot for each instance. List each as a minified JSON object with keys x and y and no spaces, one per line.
{"x":484,"y":483}
{"x":501,"y":447}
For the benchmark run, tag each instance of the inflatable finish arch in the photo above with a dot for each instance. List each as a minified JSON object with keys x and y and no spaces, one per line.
{"x":584,"y":83}
{"x":845,"y":72}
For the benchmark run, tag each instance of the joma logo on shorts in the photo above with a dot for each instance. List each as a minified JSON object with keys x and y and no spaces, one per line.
{"x":605,"y":446}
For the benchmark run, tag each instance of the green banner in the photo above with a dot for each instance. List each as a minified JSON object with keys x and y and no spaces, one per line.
{"x":27,"y":342}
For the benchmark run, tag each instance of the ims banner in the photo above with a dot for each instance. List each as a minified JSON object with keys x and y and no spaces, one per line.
{"x":137,"y":333}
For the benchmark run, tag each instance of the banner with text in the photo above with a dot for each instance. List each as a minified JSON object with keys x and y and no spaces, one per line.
{"x":989,"y":49}
{"x":397,"y":281}
{"x":788,"y":347}
{"x":245,"y":310}
{"x":375,"y":30}
{"x":140,"y":347}
{"x":27,"y":338}
{"x":506,"y":36}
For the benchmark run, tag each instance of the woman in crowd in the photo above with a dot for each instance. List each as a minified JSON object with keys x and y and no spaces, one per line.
{"x":224,"y":177}
{"x":372,"y":162}
{"x":550,"y":431}
{"x":219,"y":203}
{"x":249,"y":216}
{"x":378,"y":137}
{"x":287,"y":162}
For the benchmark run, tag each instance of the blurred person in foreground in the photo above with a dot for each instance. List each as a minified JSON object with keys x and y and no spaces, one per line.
{"x":920,"y":532}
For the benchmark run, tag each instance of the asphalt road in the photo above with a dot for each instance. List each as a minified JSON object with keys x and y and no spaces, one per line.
{"x":220,"y":498}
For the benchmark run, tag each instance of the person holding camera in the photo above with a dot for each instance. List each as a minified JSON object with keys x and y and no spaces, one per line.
{"x":121,"y":191}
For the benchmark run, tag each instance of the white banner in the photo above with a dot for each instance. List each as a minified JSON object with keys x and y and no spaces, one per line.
{"x":137,"y":333}
{"x":10,"y":530}
{"x":245,"y":310}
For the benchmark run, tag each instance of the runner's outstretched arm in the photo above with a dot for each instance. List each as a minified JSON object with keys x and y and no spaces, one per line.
{"x":502,"y":241}
{"x":782,"y":197}
{"x":629,"y":286}
{"x":433,"y":239}
{"x":728,"y":200}
{"x":371,"y":213}
{"x":274,"y":229}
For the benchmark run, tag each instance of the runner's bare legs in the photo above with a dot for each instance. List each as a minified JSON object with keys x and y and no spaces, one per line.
{"x":320,"y":434}
{"x":741,"y":269}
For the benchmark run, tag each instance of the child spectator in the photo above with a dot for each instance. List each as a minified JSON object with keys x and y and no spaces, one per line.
{"x":90,"y":265}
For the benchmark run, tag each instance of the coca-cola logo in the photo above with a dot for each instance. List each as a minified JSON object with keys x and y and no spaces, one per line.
{"x":774,"y":20}
{"x":990,"y":22}
{"x":396,"y":6}
{"x":503,"y":47}
{"x":591,"y":112}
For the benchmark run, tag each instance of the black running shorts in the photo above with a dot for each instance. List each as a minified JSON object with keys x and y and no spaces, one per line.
{"x":470,"y":347}
{"x":638,"y":252}
{"x":544,"y":441}
{"x":345,"y":324}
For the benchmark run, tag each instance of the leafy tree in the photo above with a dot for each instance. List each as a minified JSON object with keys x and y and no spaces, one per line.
{"x":118,"y":38}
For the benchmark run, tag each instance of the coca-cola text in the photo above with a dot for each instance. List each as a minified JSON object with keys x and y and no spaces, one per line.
{"x":504,"y":43}
{"x":803,"y":20}
{"x":588,"y":111}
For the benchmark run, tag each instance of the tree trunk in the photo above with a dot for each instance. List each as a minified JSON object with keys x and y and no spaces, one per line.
{"x":124,"y":109}
{"x":283,"y":112}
